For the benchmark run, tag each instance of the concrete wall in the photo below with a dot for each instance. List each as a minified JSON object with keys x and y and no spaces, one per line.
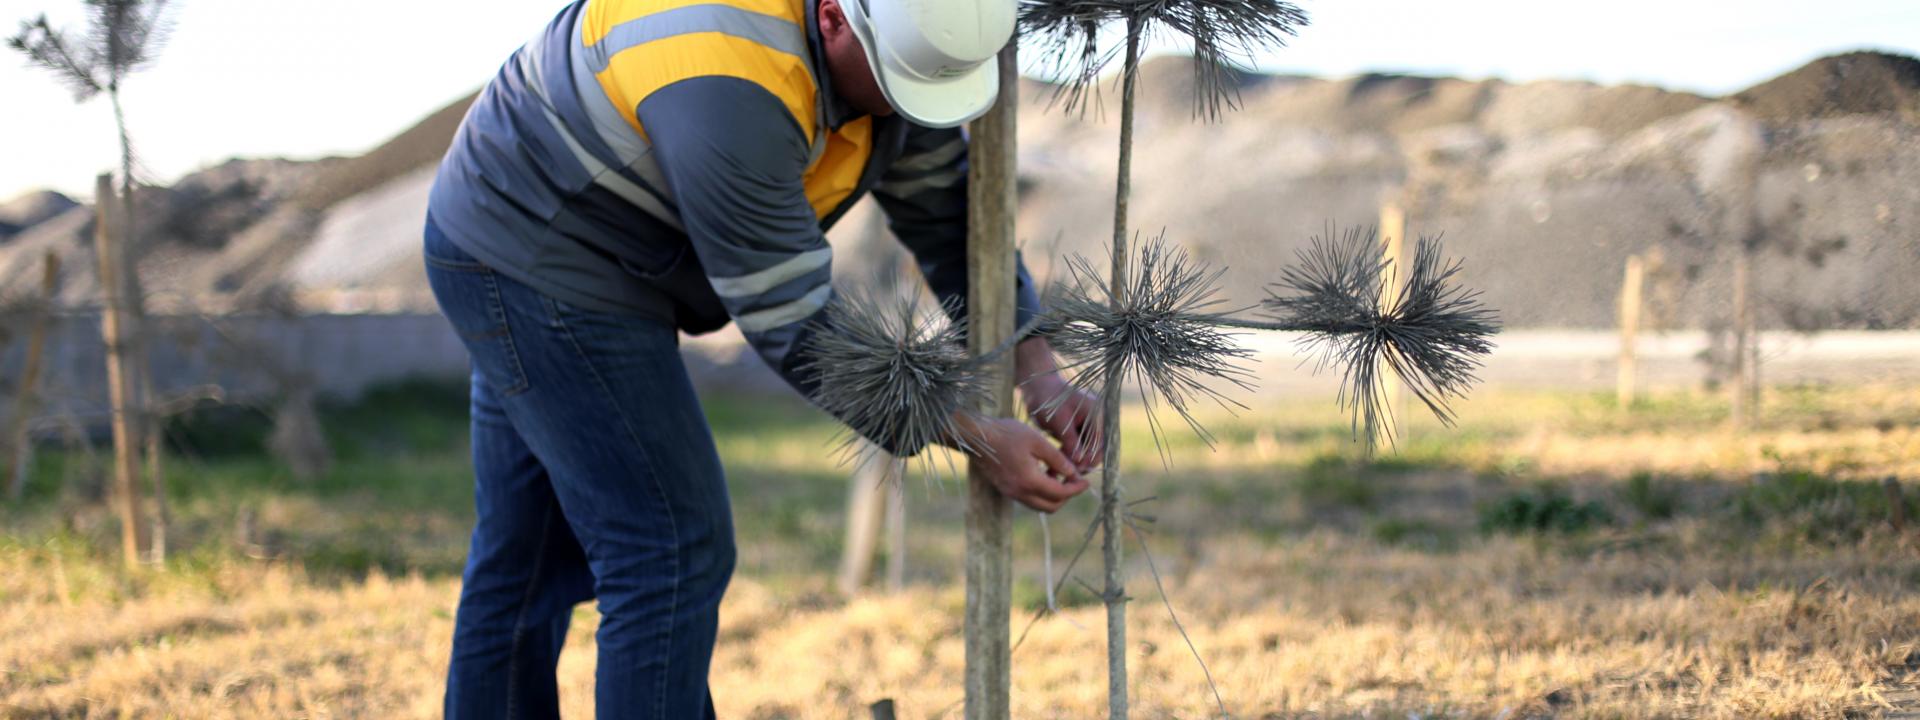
{"x":256,"y":358}
{"x":252,"y":358}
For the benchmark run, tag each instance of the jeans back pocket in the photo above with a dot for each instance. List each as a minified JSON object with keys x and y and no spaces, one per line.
{"x":469,"y":297}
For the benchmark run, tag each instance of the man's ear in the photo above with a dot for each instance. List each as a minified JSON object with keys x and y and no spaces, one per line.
{"x":833,"y":20}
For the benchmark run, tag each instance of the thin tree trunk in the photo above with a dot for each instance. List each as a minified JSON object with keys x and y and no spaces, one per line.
{"x":146,"y":423}
{"x":991,"y":204}
{"x":26,"y":402}
{"x":1111,"y":521}
{"x":120,"y":391}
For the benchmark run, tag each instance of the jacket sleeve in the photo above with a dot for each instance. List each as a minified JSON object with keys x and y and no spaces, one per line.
{"x":736,"y":162}
{"x":924,"y":195}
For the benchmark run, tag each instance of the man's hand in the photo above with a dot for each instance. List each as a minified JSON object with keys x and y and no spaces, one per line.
{"x":1071,"y":416}
{"x":1023,"y":464}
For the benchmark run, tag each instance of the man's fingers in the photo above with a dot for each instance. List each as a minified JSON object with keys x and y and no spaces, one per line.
{"x":1041,"y":504}
{"x":1048,"y":489}
{"x":1055,"y":460}
{"x":1049,"y":495}
{"x":1036,"y":493}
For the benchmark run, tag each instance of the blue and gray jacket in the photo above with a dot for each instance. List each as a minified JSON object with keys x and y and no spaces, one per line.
{"x":680,"y":160}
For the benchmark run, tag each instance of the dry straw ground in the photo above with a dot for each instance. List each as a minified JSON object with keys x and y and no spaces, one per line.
{"x":1552,"y":558}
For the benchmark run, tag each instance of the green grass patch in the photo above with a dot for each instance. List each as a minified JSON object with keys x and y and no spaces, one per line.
{"x":1655,"y":498}
{"x":1415,"y":534}
{"x":1815,"y":506}
{"x":1546,"y":509}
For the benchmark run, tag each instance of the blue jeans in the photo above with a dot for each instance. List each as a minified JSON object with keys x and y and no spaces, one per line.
{"x":595,"y":476}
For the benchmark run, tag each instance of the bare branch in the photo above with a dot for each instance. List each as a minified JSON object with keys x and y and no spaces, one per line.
{"x":894,"y":373}
{"x":1225,"y":35}
{"x":1140,"y":539}
{"x":50,"y":50}
{"x":1166,"y":335}
{"x":1432,"y":336}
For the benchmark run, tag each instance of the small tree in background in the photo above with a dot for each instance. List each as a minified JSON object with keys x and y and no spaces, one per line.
{"x":121,"y":38}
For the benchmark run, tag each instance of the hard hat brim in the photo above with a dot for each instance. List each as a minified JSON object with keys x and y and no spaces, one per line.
{"x":943,"y":103}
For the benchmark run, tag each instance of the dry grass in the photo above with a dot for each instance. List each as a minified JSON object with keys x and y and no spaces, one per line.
{"x":1316,"y":585}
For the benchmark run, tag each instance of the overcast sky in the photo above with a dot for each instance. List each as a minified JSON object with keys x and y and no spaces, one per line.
{"x":305,"y":79}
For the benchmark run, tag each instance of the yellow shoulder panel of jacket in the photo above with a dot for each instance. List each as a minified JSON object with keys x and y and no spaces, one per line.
{"x":677,"y":43}
{"x":655,"y":43}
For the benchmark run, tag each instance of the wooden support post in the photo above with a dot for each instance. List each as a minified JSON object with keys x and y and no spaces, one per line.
{"x":896,"y":490}
{"x":26,"y":401}
{"x":1896,"y":505}
{"x":875,"y":490}
{"x":1398,"y":256}
{"x":1630,"y":303}
{"x":864,"y":508}
{"x":147,"y":423}
{"x":116,"y":332}
{"x":991,"y":204}
{"x":1741,"y":409}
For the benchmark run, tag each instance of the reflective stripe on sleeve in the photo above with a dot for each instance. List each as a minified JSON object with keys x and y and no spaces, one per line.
{"x":756,"y":283}
{"x":906,"y":188}
{"x":785,"y":314}
{"x":931,"y":159}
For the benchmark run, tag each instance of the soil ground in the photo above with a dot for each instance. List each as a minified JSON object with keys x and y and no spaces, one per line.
{"x":1554,"y":556}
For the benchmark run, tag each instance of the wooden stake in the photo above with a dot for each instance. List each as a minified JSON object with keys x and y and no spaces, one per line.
{"x":991,"y":204}
{"x":896,"y":491}
{"x":1630,"y":303}
{"x":875,"y":490}
{"x":116,"y":332}
{"x":1741,"y":408}
{"x":26,"y":402}
{"x":863,"y":520}
{"x":1397,"y":255}
{"x":147,"y":423}
{"x":1896,"y":505}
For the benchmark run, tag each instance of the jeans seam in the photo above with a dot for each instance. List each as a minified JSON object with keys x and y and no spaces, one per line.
{"x":520,"y":621}
{"x":673,"y":601}
{"x":457,"y":265}
{"x":498,"y":309}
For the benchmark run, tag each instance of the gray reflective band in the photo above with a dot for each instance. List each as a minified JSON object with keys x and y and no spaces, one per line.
{"x":612,"y":130}
{"x":785,"y":314}
{"x":777,"y":33}
{"x":932,"y":158}
{"x":906,"y":188}
{"x":607,"y":121}
{"x":755,"y":283}
{"x":614,"y":182}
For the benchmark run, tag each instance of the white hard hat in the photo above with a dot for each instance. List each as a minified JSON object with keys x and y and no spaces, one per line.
{"x":936,"y":60}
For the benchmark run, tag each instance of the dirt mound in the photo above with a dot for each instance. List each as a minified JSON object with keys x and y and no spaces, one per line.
{"x":32,"y":209}
{"x":420,"y":145}
{"x":1856,"y":83}
{"x":207,"y":209}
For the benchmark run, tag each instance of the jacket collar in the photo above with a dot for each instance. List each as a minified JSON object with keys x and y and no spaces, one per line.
{"x":834,"y":110}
